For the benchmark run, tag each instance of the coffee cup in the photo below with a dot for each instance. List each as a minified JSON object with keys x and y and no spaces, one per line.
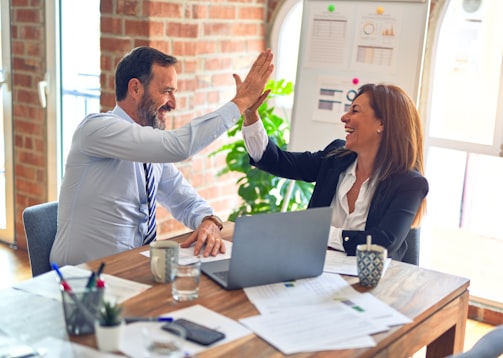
{"x":162,"y":252}
{"x":370,"y":261}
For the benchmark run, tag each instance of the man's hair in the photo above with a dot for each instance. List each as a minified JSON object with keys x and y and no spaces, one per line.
{"x":138,"y":64}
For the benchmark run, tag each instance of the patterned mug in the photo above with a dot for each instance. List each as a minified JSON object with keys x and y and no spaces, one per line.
{"x":370,"y":261}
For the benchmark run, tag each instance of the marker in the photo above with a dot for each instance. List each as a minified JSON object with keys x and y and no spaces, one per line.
{"x":91,"y":281}
{"x":99,"y":282}
{"x":83,"y":309}
{"x":100,"y":269}
{"x":148,"y":319}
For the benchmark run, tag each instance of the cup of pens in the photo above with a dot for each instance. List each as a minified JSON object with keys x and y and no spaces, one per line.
{"x":370,"y":259}
{"x":82,"y":299}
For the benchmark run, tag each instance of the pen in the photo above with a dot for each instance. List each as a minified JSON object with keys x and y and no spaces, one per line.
{"x":65,"y":284}
{"x":83,"y":309}
{"x":148,"y":319}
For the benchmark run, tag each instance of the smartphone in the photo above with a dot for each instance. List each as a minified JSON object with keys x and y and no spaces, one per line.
{"x":195,"y":332}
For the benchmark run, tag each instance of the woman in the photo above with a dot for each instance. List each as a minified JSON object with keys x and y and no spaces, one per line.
{"x":373,"y":180}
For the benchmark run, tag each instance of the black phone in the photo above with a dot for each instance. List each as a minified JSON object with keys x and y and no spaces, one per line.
{"x":195,"y":332}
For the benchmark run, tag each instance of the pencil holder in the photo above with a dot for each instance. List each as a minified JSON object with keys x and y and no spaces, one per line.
{"x":81,"y":304}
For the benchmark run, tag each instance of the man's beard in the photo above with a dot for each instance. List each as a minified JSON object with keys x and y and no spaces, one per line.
{"x":147,"y":113}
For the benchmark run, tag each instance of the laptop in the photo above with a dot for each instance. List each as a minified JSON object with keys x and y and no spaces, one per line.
{"x":274,"y":247}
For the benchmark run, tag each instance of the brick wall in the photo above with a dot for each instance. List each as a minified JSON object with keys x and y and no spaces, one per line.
{"x":30,"y":144}
{"x":211,"y":41}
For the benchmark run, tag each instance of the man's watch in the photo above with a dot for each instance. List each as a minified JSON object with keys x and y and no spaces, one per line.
{"x":218,"y":222}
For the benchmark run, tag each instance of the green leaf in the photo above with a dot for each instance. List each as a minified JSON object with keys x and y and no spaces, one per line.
{"x":259,"y":191}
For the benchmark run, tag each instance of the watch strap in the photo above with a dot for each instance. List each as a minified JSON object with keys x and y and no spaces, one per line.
{"x":216,"y":220}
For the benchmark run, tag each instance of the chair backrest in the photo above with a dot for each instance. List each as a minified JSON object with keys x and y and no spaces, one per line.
{"x":40,"y":224}
{"x":412,"y":254}
{"x":489,"y":345}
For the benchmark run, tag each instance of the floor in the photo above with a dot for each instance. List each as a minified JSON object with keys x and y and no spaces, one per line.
{"x":14,"y":266}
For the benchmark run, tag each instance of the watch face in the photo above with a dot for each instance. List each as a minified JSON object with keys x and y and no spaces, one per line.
{"x":471,"y":5}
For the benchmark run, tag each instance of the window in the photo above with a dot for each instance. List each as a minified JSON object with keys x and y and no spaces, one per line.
{"x":285,"y":37}
{"x":73,"y":76}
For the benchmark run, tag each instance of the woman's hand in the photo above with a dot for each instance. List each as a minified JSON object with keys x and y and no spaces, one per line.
{"x":250,"y":114}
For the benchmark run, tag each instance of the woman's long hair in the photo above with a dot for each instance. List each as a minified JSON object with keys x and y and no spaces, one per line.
{"x":401,"y":147}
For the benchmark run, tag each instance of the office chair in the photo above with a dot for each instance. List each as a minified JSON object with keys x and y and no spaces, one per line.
{"x":40,"y":224}
{"x":488,"y":346}
{"x":412,"y":254}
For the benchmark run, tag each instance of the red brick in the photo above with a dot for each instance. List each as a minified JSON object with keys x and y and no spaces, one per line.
{"x":184,"y":48}
{"x":27,"y":15}
{"x":200,"y":11}
{"x":251,"y":13}
{"x":222,"y":12}
{"x":245,"y":30}
{"x":214,"y":29}
{"x":207,"y":47}
{"x":180,"y":29}
{"x":128,"y":7}
{"x":111,"y":25}
{"x":162,"y":9}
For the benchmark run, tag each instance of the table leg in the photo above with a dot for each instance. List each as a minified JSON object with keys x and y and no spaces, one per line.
{"x":452,"y":340}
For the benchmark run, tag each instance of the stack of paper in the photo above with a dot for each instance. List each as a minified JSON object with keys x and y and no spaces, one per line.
{"x":316,"y":314}
{"x":47,"y":284}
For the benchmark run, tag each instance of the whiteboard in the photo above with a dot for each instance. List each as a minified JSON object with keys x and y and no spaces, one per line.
{"x":345,"y":44}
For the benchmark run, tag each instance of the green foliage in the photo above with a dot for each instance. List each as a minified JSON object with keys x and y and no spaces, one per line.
{"x":262,"y":192}
{"x":110,"y":314}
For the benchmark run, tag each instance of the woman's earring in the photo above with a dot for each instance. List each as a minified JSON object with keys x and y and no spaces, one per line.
{"x":379,"y":130}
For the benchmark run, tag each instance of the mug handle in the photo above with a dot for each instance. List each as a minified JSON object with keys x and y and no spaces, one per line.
{"x":158,"y":274}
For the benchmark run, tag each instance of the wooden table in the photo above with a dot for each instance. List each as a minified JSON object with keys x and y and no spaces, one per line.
{"x":436,"y":302}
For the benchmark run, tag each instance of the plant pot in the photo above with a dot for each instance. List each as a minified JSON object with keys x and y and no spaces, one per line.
{"x":108,"y":338}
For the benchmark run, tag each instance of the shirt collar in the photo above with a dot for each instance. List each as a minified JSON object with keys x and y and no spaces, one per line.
{"x":122,"y":113}
{"x":351,"y":170}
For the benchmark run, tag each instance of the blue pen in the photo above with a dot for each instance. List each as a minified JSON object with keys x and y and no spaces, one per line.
{"x":148,"y":319}
{"x":72,"y":295}
{"x":65,"y":284}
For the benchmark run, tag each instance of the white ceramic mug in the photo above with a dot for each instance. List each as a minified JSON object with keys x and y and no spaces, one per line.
{"x":161,"y":254}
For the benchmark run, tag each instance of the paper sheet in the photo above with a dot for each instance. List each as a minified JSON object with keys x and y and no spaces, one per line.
{"x":309,"y":291}
{"x":53,"y":347}
{"x":47,"y":284}
{"x":339,"y":262}
{"x":312,"y":327}
{"x":317,"y":292}
{"x":186,"y":254}
{"x":133,"y":345}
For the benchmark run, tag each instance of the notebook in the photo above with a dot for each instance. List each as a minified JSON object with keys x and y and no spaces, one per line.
{"x":274,"y":247}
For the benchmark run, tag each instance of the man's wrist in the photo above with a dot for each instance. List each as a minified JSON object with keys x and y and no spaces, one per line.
{"x":216,"y":220}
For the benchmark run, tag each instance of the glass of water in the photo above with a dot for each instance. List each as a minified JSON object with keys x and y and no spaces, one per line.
{"x":186,"y":276}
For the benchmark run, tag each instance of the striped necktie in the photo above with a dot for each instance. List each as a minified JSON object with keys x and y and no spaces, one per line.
{"x":150,"y":187}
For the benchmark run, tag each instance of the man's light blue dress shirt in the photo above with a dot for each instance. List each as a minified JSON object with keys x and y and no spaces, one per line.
{"x":103,"y":203}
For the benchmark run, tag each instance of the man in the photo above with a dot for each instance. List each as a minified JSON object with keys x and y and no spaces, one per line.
{"x":120,"y":162}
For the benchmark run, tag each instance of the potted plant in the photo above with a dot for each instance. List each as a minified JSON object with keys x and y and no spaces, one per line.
{"x":262,"y":192}
{"x":109,"y":327}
